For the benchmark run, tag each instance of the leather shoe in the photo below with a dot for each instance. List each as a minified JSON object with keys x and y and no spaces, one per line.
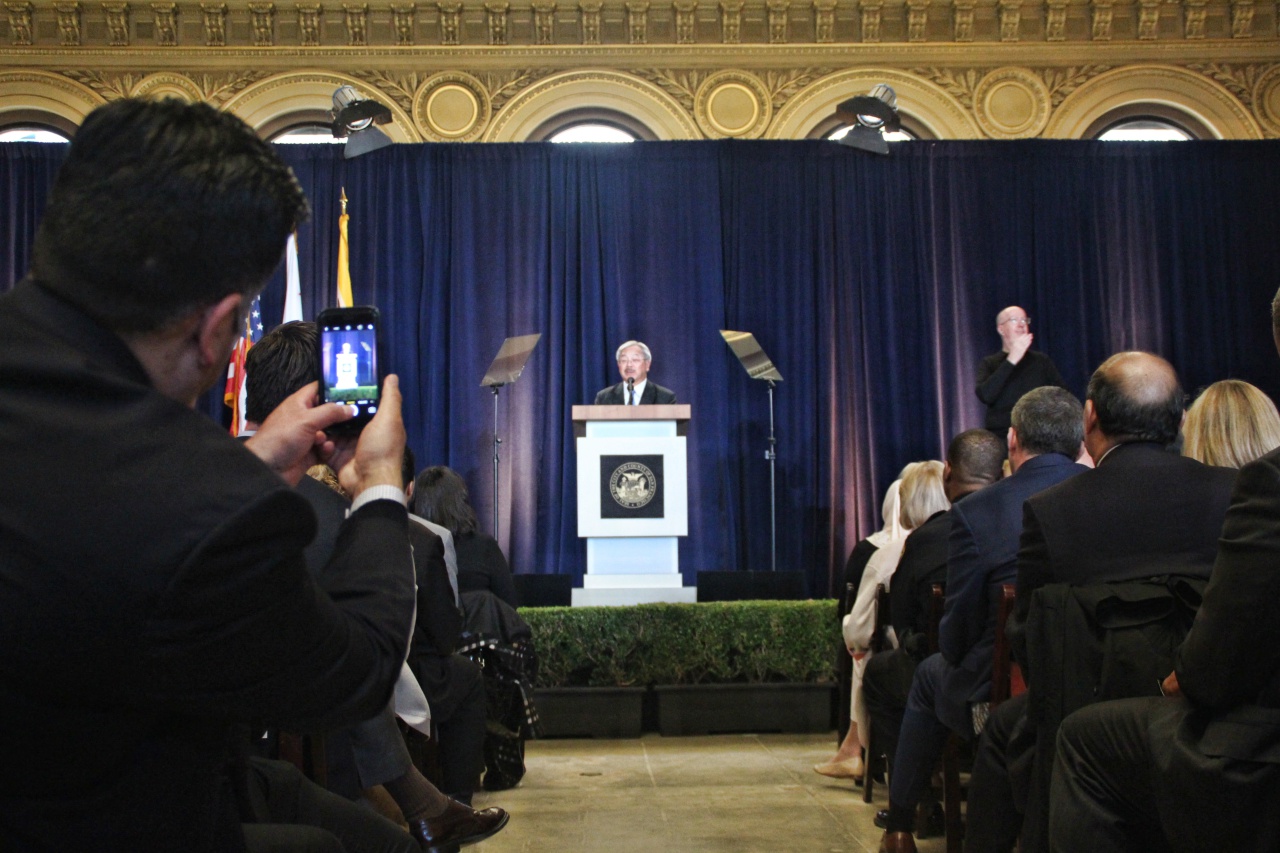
{"x":456,"y":826}
{"x":881,"y":819}
{"x":897,"y":842}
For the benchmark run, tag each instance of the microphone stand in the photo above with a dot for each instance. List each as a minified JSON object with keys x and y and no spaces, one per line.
{"x":772,"y":455}
{"x":497,"y":443}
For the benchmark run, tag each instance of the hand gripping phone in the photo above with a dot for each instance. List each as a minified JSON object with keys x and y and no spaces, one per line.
{"x":349,"y":363}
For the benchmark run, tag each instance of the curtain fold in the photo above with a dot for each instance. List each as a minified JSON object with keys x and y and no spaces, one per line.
{"x":872,"y":282}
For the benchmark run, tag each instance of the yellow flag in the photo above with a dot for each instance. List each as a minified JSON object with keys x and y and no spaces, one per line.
{"x":344,"y":269}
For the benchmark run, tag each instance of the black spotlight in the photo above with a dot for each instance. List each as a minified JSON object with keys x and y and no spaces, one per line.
{"x":355,"y":118}
{"x":868,"y":117}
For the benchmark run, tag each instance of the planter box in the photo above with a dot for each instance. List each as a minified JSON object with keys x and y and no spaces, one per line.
{"x":698,"y":709}
{"x":604,"y":712}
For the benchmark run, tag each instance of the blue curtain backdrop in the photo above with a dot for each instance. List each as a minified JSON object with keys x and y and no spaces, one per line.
{"x":872,"y":282}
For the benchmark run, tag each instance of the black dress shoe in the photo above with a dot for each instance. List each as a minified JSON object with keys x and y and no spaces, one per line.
{"x":458,"y":825}
{"x":881,"y":819}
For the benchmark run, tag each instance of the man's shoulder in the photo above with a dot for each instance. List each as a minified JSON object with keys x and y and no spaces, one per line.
{"x":604,"y":394}
{"x":663,"y":395}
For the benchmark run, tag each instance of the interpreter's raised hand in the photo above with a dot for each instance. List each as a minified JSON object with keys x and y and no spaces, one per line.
{"x":375,"y":456}
{"x":292,"y":438}
{"x":1018,"y":346}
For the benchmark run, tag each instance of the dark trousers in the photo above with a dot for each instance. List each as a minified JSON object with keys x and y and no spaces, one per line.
{"x":295,"y":815}
{"x":1002,"y":768}
{"x":454,"y":687}
{"x":886,"y":683}
{"x":922,"y":737}
{"x":366,"y":754}
{"x":1150,"y":774}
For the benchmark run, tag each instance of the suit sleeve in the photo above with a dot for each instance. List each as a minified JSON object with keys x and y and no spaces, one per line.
{"x":965,"y":611}
{"x":1034,"y":571}
{"x":242,"y":630}
{"x":439,"y":620}
{"x":601,"y":396}
{"x":1233,"y":650}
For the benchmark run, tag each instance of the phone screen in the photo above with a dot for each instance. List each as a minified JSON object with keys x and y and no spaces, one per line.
{"x":349,"y":358}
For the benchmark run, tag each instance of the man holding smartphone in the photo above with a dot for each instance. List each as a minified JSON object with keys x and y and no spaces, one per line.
{"x":169,"y":603}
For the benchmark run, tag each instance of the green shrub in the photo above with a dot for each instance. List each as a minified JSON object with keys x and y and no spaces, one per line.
{"x":733,"y":641}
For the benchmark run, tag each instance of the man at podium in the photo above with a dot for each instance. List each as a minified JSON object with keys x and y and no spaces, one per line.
{"x":635,"y":389}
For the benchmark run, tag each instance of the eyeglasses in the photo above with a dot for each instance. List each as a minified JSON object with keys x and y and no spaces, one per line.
{"x":1020,"y":321}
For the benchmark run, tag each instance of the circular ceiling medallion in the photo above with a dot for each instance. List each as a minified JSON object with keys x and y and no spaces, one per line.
{"x":1011,"y":103}
{"x":732,"y":104}
{"x":451,"y":107}
{"x":1266,"y":94}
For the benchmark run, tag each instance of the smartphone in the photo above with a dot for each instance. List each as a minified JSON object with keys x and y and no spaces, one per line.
{"x":349,"y":368}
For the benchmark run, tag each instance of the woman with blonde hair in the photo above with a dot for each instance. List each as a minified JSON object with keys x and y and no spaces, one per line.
{"x":920,"y":496}
{"x":1231,"y":424}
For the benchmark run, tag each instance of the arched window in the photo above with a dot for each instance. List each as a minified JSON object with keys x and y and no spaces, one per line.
{"x":307,"y":134}
{"x":1147,"y":123}
{"x":31,"y":133}
{"x":591,"y":125}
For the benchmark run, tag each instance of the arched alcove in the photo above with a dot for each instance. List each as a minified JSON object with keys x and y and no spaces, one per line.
{"x":929,"y":109}
{"x":1204,"y":100}
{"x":50,"y":100}
{"x":272,"y":104}
{"x":561,"y":93}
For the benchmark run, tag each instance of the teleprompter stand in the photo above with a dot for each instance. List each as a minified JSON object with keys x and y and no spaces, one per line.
{"x":758,"y":366}
{"x":506,"y":368}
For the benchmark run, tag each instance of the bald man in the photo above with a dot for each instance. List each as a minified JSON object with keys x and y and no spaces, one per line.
{"x":1143,"y":513}
{"x":1003,"y":377}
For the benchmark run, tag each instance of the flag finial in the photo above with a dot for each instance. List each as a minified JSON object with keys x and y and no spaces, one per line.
{"x":343,"y":199}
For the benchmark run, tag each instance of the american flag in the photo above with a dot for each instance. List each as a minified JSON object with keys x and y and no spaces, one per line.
{"x":233,"y":396}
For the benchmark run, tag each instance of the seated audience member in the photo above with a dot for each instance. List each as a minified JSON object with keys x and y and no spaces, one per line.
{"x":1231,"y":424}
{"x":921,"y":496}
{"x":975,"y":460}
{"x":982,"y":552}
{"x":1197,"y":769}
{"x":853,"y":569}
{"x":453,"y":683}
{"x":282,"y":362}
{"x":440,"y":496}
{"x":149,"y":623}
{"x":1143,"y":513}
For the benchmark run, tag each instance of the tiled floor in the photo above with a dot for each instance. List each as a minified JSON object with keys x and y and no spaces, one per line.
{"x":731,"y":793}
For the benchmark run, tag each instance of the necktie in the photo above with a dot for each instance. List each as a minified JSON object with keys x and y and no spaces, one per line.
{"x":632,"y":401}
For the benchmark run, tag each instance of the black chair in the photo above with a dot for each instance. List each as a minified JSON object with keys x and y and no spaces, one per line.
{"x":544,"y":590}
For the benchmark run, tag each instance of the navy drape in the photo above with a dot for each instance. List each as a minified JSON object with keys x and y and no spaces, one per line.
{"x":872,"y":282}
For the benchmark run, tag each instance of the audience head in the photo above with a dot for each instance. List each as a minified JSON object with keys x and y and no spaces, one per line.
{"x":163,"y":208}
{"x":891,"y":512}
{"x":1275,"y":320}
{"x":975,"y":458}
{"x":1132,"y":396}
{"x":1046,"y":420}
{"x":923,"y":494}
{"x":408,"y":464}
{"x":440,"y":496}
{"x":325,"y":474}
{"x":283,"y":361}
{"x":1231,"y":424}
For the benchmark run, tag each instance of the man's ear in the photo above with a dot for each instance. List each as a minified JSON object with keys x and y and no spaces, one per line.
{"x":218,"y":328}
{"x":1011,"y":439}
{"x":1090,"y":417}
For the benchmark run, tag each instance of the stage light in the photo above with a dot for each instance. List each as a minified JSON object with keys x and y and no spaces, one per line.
{"x":869,"y":116}
{"x":355,"y":118}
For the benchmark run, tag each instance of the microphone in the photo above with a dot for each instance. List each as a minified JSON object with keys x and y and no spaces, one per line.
{"x":631,"y":383}
{"x":631,"y":390}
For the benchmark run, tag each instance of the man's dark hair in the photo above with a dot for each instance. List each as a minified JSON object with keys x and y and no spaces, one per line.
{"x":279,"y":364}
{"x":1136,"y":397}
{"x":408,"y":464}
{"x":976,"y":457}
{"x":1049,"y":420}
{"x":440,"y":495}
{"x":160,"y":208}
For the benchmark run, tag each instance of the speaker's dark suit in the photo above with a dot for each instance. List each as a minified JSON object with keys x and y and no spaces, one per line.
{"x":654,"y":395}
{"x":1203,"y":771}
{"x":155,"y":596}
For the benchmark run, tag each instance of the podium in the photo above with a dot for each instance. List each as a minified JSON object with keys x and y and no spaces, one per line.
{"x":633,"y":503}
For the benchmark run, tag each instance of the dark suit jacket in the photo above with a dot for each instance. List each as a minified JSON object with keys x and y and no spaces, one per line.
{"x":923,"y":563}
{"x":156,"y":598}
{"x":482,"y":566}
{"x":654,"y":394}
{"x":982,"y":554}
{"x":1144,"y":512}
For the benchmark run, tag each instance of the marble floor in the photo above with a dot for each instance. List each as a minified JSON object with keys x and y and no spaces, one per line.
{"x":739,"y":793}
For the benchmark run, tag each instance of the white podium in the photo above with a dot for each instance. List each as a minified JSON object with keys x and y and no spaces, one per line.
{"x":633,"y":503}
